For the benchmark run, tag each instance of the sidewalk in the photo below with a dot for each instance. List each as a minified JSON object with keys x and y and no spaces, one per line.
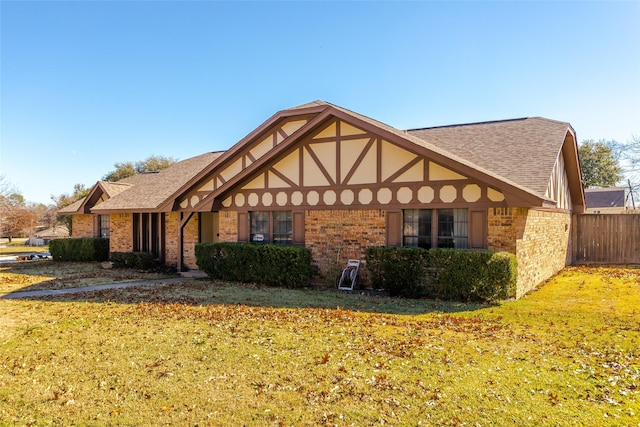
{"x":48,"y":292}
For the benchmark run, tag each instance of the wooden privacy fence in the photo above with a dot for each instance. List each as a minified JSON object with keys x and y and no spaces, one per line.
{"x":606,"y":238}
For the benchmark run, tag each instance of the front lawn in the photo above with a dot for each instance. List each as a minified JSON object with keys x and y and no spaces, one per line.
{"x":46,"y":274}
{"x":18,"y":247}
{"x":224,"y":355}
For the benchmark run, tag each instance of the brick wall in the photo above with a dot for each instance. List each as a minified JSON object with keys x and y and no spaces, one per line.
{"x":171,"y":225}
{"x":228,"y":226}
{"x":120,"y":232}
{"x":334,"y":236}
{"x":190,"y":236}
{"x":82,"y":225}
{"x":541,"y":241}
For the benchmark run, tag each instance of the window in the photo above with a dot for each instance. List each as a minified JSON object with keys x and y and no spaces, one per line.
{"x":282,"y":228}
{"x":452,"y":228}
{"x":259,"y":227}
{"x":430,"y":228}
{"x":103,"y":226}
{"x":271,"y":227}
{"x":417,"y":228}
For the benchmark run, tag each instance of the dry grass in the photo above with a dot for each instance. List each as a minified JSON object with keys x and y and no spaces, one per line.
{"x":18,"y":247}
{"x":46,"y":274}
{"x":216,"y":354}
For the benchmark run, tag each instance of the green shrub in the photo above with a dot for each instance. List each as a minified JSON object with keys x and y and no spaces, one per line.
{"x":503,"y":271}
{"x":399,"y":270}
{"x":272,"y":265}
{"x":135,"y":260}
{"x":79,"y":249}
{"x":452,"y":274}
{"x":471,"y":275}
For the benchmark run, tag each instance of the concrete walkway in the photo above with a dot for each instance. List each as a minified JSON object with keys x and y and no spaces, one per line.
{"x":48,"y":292}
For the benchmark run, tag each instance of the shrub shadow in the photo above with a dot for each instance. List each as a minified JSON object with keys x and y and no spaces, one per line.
{"x":207,"y":292}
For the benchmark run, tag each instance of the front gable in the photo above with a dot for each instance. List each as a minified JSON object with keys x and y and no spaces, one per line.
{"x":338,"y":164}
{"x":100,"y":192}
{"x":242,"y":158}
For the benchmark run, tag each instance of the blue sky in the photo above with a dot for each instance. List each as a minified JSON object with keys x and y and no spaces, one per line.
{"x":87,"y":84}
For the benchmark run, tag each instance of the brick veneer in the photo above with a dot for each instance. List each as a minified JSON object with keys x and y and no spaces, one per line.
{"x":82,"y":225}
{"x":334,"y":236}
{"x":190,"y":236}
{"x":228,"y":226}
{"x":540,"y":239}
{"x":171,"y":225}
{"x":120,"y":232}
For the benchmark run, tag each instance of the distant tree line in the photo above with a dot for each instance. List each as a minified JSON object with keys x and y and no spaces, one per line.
{"x":19,"y":218}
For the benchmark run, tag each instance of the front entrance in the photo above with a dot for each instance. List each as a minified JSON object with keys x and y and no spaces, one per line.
{"x":209,"y":231}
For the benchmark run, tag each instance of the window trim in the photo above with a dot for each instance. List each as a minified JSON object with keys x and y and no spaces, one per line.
{"x":434,"y":237}
{"x":271,"y":228}
{"x":100,"y":226}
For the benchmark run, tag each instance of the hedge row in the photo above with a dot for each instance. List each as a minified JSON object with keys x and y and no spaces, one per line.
{"x":137,"y":260}
{"x":272,"y":265}
{"x":452,"y":274}
{"x":472,"y":275}
{"x":399,"y":270}
{"x":79,"y":249}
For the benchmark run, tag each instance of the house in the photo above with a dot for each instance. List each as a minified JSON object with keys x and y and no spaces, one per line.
{"x":338,"y":182}
{"x":56,"y":232}
{"x":605,"y":200}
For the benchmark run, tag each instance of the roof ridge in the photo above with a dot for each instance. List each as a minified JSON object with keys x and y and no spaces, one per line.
{"x":487,"y":122}
{"x":472,"y":123}
{"x":102,"y":181}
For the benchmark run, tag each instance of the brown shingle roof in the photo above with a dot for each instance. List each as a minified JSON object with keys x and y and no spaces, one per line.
{"x":72,"y":208}
{"x":518,"y":152}
{"x":147,"y":191}
{"x":521,"y":150}
{"x":112,"y":189}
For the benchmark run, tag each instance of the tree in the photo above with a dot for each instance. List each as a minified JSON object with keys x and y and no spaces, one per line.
{"x":599,"y":163}
{"x":123,"y":170}
{"x":79,"y":191}
{"x":630,"y":153}
{"x":630,"y":156}
{"x":154,"y":164}
{"x":6,"y":187}
{"x":127,"y":169}
{"x":9,"y":197}
{"x":17,"y":222}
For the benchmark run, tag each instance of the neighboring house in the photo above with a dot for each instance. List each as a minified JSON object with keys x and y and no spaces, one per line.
{"x":605,"y":200}
{"x":56,"y":232}
{"x":337,"y":182}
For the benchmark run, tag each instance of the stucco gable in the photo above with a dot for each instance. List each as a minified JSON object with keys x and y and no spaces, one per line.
{"x":326,"y":113}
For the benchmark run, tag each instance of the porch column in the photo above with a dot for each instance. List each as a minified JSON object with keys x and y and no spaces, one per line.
{"x":183,"y":222}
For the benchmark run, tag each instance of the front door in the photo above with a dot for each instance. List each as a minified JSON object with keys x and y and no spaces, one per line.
{"x":209,"y":231}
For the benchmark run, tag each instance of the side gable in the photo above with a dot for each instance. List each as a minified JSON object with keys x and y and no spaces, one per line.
{"x":565,"y":184}
{"x":526,"y":151}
